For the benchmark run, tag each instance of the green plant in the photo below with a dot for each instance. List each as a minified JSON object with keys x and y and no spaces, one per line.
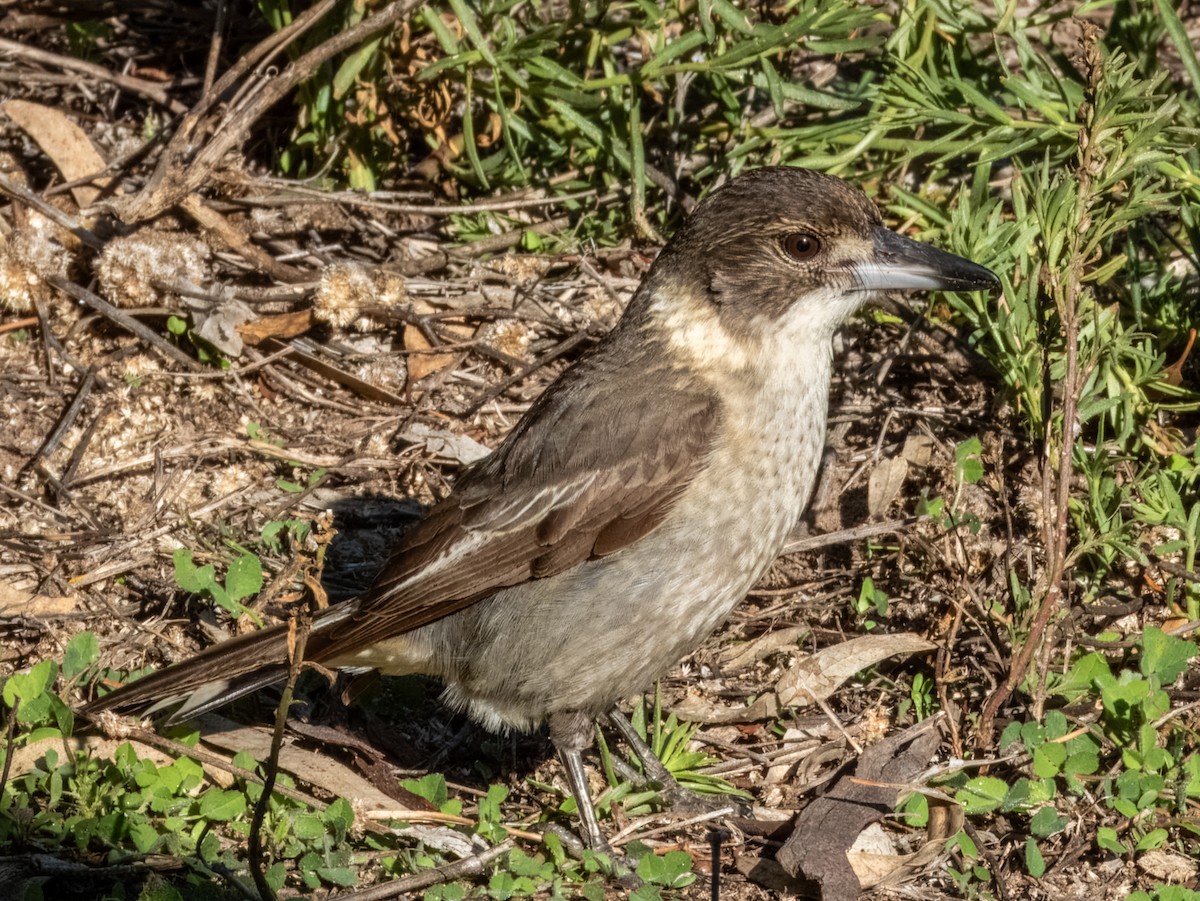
{"x":870,"y":599}
{"x":179,"y":329}
{"x":1130,"y":742}
{"x":243,"y":579}
{"x":670,"y":741}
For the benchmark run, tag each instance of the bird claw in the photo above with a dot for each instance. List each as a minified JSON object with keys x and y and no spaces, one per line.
{"x":620,"y":867}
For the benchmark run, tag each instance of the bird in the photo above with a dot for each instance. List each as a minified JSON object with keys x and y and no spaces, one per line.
{"x":637,"y":500}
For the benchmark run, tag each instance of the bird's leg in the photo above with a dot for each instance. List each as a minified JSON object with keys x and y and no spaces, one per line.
{"x":571,"y":734}
{"x":651,"y":765}
{"x":674,"y":795}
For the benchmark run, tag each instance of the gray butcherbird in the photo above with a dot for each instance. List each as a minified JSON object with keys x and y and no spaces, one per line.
{"x":641,"y":496}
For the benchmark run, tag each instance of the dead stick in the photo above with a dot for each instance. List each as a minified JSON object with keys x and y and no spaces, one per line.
{"x":68,"y":63}
{"x":127,"y":322}
{"x":178,"y":180}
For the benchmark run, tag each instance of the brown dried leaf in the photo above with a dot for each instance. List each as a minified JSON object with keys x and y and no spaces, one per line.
{"x":1168,"y":866}
{"x":887,"y":478}
{"x":829,"y":826}
{"x":318,"y":770}
{"x":820,"y":675}
{"x":423,"y":364}
{"x":67,"y":145}
{"x":918,"y":449}
{"x":888,"y":868}
{"x":284,"y":325}
{"x":694,"y":710}
{"x":738,"y":657}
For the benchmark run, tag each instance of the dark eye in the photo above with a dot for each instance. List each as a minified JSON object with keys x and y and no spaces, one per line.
{"x":802,"y":246}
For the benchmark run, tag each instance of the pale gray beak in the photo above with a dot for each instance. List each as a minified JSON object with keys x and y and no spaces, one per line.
{"x":902,"y":264}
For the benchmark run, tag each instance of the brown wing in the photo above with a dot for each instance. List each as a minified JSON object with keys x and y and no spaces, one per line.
{"x":594,"y":465}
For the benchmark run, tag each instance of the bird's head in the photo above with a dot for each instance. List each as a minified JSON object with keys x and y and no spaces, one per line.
{"x":791,"y":250}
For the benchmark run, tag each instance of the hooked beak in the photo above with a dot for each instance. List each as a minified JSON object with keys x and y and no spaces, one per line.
{"x":902,"y":264}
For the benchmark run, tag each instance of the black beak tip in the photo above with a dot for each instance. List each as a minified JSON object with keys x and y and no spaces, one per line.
{"x":972,"y":277}
{"x":905,"y":263}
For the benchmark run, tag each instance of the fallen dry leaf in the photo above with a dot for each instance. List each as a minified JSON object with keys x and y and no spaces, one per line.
{"x":887,"y":478}
{"x":423,"y":364}
{"x":874,"y":866}
{"x":1168,"y":866}
{"x":818,"y":676}
{"x":283,"y":325}
{"x":67,"y":145}
{"x":741,"y":656}
{"x":829,"y":826}
{"x":810,"y":679}
{"x":316,"y":769}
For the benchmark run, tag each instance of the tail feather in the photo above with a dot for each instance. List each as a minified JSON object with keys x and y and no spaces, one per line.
{"x":215,"y":676}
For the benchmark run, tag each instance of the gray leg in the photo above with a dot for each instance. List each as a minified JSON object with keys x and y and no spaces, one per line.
{"x":571,"y":734}
{"x":674,"y":795}
{"x":651,"y":765}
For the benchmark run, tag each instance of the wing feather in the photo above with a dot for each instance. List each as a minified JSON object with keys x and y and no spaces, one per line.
{"x":597,"y":463}
{"x":597,"y":472}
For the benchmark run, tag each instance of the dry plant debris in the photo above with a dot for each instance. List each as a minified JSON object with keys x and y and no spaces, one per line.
{"x":197,"y":359}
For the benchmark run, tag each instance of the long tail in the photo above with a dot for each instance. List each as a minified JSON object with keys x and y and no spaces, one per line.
{"x":214,"y":677}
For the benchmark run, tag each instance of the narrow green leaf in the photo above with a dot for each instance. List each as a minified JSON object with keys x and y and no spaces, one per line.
{"x":348,"y":71}
{"x":470,"y":24}
{"x":1184,"y":45}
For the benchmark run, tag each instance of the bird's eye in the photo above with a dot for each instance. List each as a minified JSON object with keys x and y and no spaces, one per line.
{"x":802,"y":246}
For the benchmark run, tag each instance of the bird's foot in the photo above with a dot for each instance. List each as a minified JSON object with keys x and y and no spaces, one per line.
{"x":620,"y":867}
{"x":674,"y":796}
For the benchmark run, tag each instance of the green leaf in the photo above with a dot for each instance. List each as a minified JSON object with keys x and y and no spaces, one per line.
{"x":501,"y":886}
{"x":339,"y":817}
{"x":245,"y":577}
{"x":144,"y":836}
{"x":219,"y":805}
{"x":308,"y":826}
{"x":159,"y":890}
{"x":1155,"y":838}
{"x":1184,"y":44}
{"x":188,"y":576}
{"x":1046,"y":822}
{"x":30,"y":686}
{"x":343,"y":876}
{"x":673,"y":869}
{"x":982,"y":794}
{"x":431,"y":787}
{"x":1106,"y":838}
{"x":1035,"y":864}
{"x":1049,"y":759}
{"x":82,"y":651}
{"x":275,"y":875}
{"x":1165,"y":655}
{"x":470,"y":24}
{"x":1082,"y":763}
{"x":350,"y":68}
{"x":968,"y":468}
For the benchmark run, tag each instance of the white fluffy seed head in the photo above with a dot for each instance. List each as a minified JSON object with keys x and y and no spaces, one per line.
{"x":26,"y":259}
{"x":348,"y":293}
{"x":129,"y":266}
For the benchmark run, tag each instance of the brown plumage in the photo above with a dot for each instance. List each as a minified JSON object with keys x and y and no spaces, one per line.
{"x":638,"y":499}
